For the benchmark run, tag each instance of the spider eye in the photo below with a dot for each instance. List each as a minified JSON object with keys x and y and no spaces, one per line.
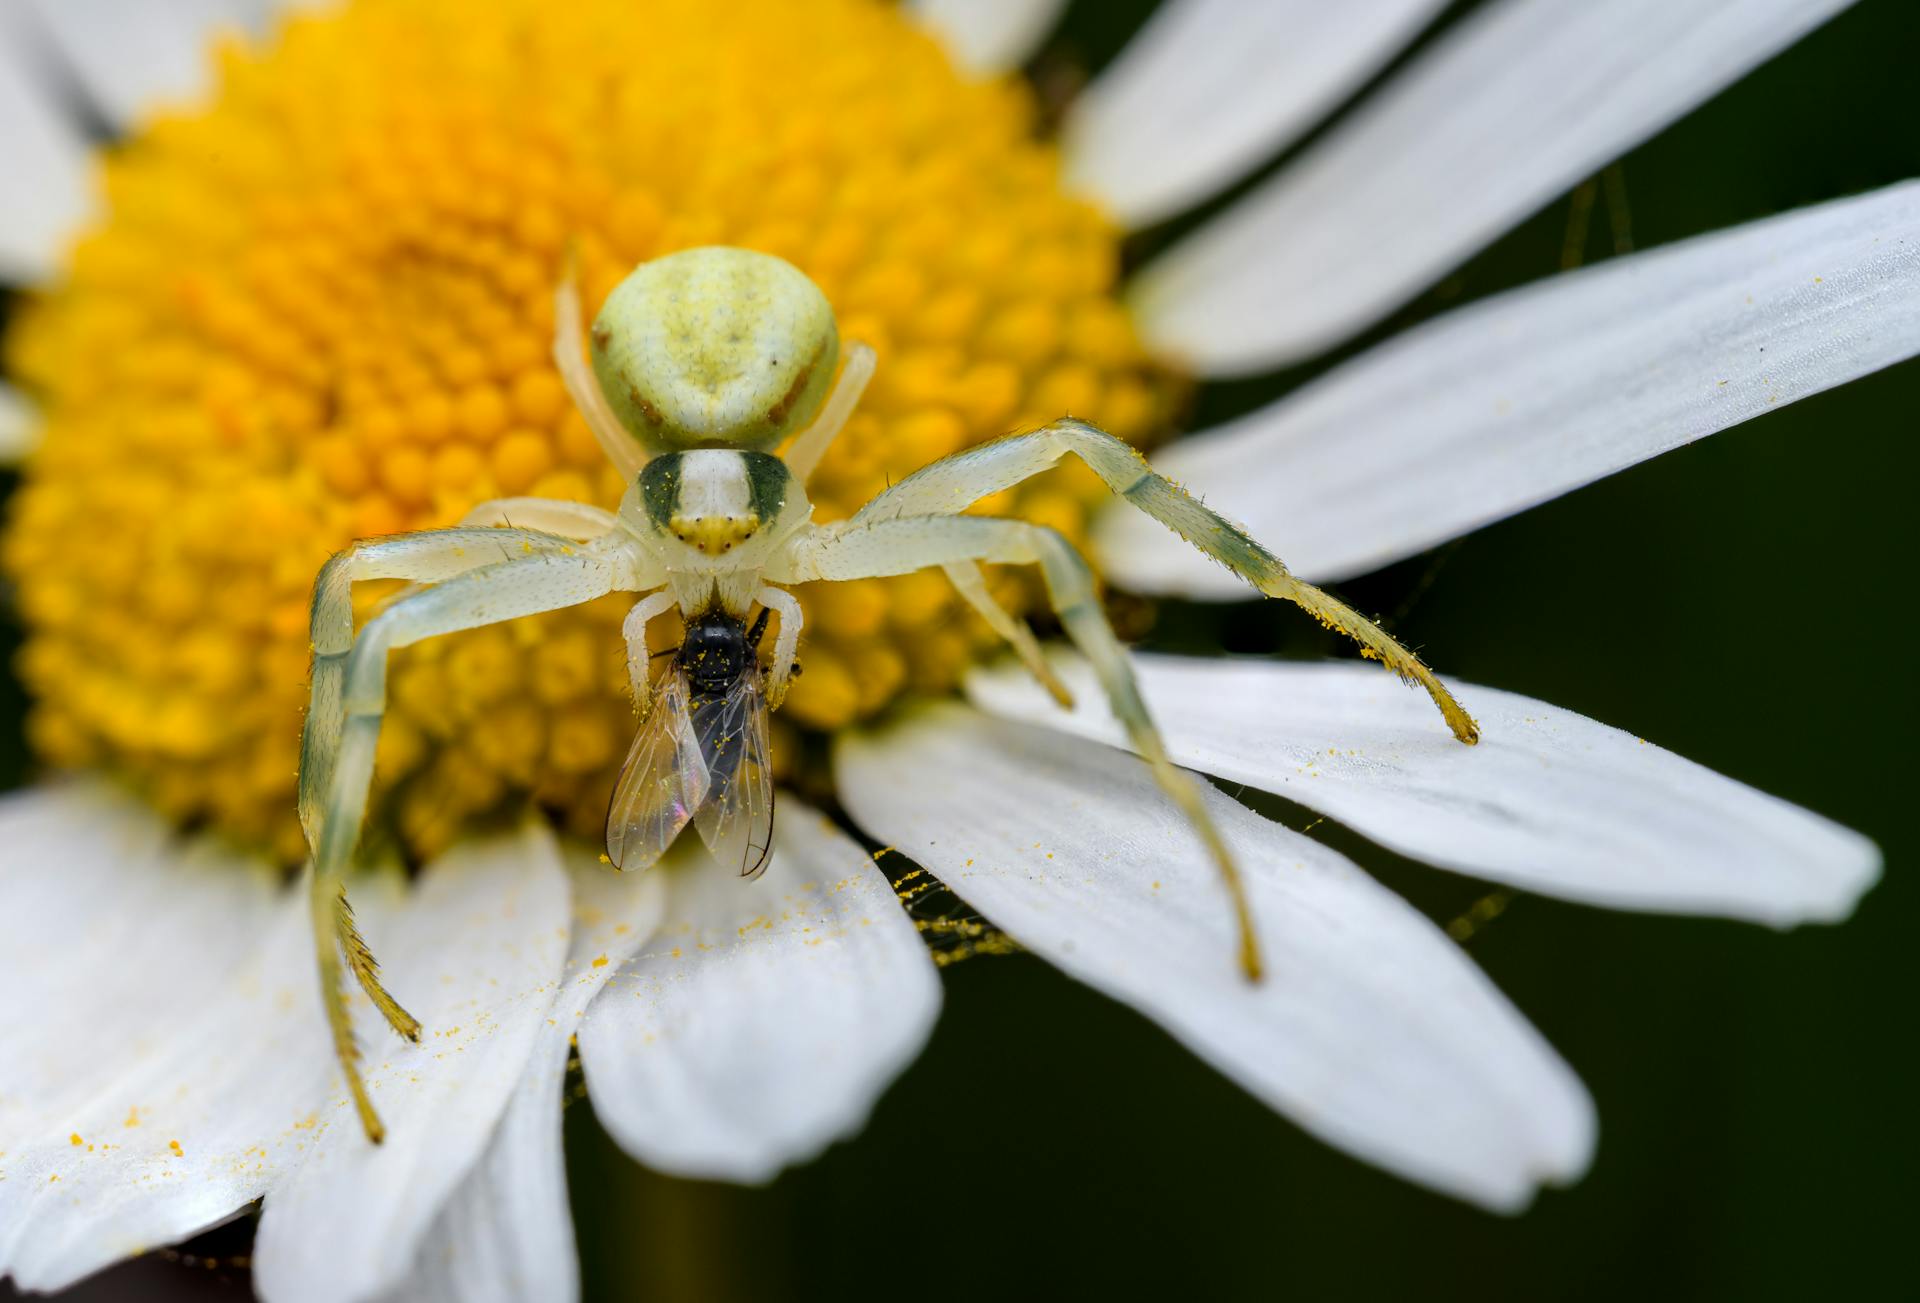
{"x":715,"y":347}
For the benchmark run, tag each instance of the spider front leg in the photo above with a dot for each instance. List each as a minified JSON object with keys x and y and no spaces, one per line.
{"x":423,"y":557}
{"x":426,"y":557}
{"x":343,"y":725}
{"x":858,"y":549}
{"x":953,"y":484}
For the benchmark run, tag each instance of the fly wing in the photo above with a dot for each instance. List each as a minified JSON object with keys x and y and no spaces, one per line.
{"x":665,"y":780}
{"x":737,"y":821}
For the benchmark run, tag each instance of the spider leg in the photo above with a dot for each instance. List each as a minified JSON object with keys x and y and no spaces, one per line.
{"x":968,"y":582}
{"x":423,"y":557}
{"x":804,"y":453}
{"x":335,"y":934}
{"x":542,"y":573}
{"x":580,"y":521}
{"x":569,"y":356}
{"x":786,"y":647}
{"x":953,"y":484}
{"x":857,"y":549}
{"x":634,"y":629}
{"x":426,"y":557}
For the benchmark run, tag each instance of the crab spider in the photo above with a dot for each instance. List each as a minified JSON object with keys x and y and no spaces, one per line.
{"x":701,"y":363}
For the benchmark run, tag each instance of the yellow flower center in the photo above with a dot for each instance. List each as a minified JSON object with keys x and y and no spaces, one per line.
{"x":320,"y":310}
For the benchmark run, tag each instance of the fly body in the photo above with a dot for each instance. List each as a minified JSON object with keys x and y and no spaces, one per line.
{"x":701,"y":755}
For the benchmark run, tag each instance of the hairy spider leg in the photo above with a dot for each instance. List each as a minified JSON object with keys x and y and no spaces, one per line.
{"x":423,"y":558}
{"x":954,"y":483}
{"x":858,"y":549}
{"x":345,"y":712}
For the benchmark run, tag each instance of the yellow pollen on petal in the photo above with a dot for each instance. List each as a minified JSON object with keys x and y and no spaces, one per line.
{"x":319,"y":309}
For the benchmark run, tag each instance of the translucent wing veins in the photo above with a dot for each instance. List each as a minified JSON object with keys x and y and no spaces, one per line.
{"x":736,"y":822}
{"x":703,"y":758}
{"x":665,"y":780}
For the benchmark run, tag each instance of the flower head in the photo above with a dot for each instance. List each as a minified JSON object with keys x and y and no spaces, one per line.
{"x":321,"y":312}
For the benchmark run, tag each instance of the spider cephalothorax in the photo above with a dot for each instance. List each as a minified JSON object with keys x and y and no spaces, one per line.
{"x":703,"y":362}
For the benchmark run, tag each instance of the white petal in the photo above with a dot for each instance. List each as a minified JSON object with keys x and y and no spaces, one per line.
{"x":1371,"y":1029}
{"x":95,"y":900}
{"x":1516,"y":400}
{"x":42,"y":156}
{"x":989,"y":36}
{"x":476,"y":952}
{"x":1210,"y":88}
{"x":765,"y":1018}
{"x":19,"y":428}
{"x":506,"y":1233}
{"x":1508,"y":109}
{"x":1548,"y":800}
{"x":235,"y":1087}
{"x":161,"y":1086}
{"x":135,"y":54}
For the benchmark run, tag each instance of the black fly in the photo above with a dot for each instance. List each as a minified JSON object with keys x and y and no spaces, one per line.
{"x":702,"y":754}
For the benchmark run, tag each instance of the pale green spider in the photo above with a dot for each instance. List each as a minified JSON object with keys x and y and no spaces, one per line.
{"x":703,"y":361}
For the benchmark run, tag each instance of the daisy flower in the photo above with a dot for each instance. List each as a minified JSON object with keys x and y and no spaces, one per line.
{"x":306,"y":299}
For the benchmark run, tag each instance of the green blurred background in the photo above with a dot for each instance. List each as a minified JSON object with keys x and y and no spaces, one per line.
{"x":1754,"y":1088}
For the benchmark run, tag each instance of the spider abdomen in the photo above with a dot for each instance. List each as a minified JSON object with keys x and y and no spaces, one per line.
{"x":715,"y":347}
